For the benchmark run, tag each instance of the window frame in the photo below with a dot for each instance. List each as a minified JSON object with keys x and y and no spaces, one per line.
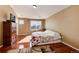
{"x":38,"y":28}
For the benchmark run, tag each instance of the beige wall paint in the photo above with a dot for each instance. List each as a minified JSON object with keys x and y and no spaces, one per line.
{"x":43,"y":24}
{"x":67,"y":23}
{"x":5,"y":11}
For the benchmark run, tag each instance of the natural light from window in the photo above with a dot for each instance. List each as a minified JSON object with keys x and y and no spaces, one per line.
{"x":35,"y":25}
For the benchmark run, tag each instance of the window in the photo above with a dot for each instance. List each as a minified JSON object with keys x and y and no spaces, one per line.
{"x":36,"y":25}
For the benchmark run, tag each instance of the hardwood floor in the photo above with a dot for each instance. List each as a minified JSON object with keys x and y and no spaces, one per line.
{"x":57,"y":47}
{"x":62,"y":48}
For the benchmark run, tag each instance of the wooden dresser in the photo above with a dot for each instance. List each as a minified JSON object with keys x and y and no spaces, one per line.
{"x":9,"y":33}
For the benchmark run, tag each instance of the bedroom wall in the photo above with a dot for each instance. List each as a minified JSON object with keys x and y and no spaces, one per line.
{"x":5,"y":11}
{"x":67,"y":23}
{"x":24,"y":29}
{"x":43,"y":24}
{"x":1,"y":43}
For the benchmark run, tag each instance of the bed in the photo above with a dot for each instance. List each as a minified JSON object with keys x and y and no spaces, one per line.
{"x":46,"y":37}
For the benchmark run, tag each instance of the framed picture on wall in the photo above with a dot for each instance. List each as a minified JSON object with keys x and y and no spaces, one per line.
{"x":12,"y":17}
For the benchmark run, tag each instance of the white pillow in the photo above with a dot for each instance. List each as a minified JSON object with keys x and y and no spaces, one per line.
{"x":52,"y":33}
{"x":48,"y":31}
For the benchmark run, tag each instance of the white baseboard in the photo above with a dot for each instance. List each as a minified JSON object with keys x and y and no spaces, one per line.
{"x":1,"y":46}
{"x":71,"y":46}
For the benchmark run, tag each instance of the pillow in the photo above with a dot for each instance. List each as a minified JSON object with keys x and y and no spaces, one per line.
{"x":48,"y":31}
{"x":53,"y":33}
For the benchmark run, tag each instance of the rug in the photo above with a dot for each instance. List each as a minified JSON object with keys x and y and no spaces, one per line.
{"x":43,"y":49}
{"x":24,"y":50}
{"x":35,"y":49}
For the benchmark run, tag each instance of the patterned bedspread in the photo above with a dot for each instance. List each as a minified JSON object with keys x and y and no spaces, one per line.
{"x":39,"y":37}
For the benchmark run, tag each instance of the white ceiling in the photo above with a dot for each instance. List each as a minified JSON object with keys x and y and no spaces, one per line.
{"x":41,"y":12}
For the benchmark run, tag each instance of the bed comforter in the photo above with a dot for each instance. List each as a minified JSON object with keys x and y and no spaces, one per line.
{"x":44,"y":37}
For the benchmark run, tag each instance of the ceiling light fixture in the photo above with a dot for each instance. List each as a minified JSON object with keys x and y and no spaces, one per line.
{"x":34,"y":6}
